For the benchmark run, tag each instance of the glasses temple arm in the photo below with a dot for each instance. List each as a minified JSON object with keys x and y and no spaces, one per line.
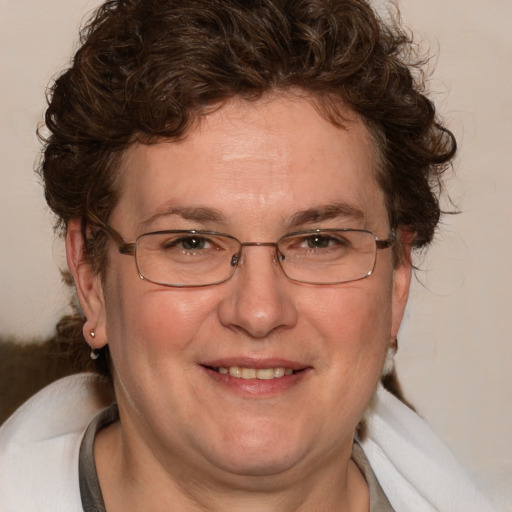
{"x":388,"y":242}
{"x":124,"y":248}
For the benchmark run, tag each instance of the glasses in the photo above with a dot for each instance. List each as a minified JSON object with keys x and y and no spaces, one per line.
{"x":203,"y":258}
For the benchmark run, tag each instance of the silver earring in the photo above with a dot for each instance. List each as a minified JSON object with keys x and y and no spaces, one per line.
{"x":94,"y":354}
{"x":92,"y":334}
{"x":389,"y":364}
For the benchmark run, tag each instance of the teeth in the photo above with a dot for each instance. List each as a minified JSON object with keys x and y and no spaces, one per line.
{"x":235,"y":371}
{"x":248,"y":373}
{"x":279,"y":372}
{"x":265,"y":373}
{"x":253,"y":373}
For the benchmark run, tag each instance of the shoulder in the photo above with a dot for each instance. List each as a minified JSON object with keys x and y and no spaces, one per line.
{"x":39,"y":445}
{"x":416,"y":470}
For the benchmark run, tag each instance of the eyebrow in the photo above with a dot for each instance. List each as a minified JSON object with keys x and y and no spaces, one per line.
{"x":197,"y":214}
{"x":308,"y":216}
{"x":327,"y":212}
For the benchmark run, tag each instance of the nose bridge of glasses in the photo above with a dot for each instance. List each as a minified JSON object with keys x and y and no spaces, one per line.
{"x":238,"y":259}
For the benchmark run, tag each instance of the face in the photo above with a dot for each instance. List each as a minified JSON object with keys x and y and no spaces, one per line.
{"x":256,"y":171}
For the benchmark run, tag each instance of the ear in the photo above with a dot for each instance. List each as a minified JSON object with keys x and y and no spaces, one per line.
{"x":88,"y":286}
{"x":401,"y":281}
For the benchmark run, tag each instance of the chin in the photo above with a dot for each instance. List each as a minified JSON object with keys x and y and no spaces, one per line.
{"x":271,"y":463}
{"x":260,"y":450}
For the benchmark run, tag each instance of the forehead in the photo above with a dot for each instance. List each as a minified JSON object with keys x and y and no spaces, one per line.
{"x":259,"y":161}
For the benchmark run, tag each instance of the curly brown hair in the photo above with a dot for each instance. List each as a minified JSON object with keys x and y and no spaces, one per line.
{"x":146,"y":69}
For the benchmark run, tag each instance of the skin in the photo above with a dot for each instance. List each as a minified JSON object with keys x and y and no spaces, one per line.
{"x":284,"y":445}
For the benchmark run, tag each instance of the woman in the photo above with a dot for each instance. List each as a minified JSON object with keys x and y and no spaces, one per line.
{"x":240,"y":185}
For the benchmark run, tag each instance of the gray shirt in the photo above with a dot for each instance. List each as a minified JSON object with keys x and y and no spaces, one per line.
{"x":90,"y":490}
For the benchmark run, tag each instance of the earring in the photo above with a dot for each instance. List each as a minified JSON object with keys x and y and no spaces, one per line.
{"x":92,"y":334}
{"x":389,"y":364}
{"x":95,"y":354}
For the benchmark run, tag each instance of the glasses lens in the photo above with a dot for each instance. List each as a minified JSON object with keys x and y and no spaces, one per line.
{"x":201,"y":258}
{"x":186,"y":258}
{"x":328,"y":256}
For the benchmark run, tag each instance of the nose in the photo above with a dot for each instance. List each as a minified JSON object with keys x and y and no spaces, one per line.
{"x":259,"y":300}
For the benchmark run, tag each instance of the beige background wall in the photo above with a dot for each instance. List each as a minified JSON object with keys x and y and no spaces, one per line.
{"x":455,"y":357}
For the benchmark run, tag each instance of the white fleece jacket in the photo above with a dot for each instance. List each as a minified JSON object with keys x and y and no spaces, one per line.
{"x":39,"y":447}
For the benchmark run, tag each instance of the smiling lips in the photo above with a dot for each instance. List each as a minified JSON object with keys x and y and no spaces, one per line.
{"x":255,"y":373}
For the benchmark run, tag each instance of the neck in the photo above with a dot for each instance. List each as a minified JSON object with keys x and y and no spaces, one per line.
{"x":136,"y":479}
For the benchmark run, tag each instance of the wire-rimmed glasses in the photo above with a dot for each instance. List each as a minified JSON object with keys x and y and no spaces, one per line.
{"x":193,"y":258}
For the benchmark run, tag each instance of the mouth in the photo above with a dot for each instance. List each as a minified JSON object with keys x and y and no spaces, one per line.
{"x":240,"y":372}
{"x":261,"y":378}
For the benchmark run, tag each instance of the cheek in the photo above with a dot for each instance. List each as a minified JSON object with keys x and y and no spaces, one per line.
{"x":355,"y":324}
{"x":354,"y":314}
{"x":146,"y":322}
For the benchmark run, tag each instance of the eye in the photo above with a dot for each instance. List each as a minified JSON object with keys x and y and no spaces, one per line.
{"x":323,"y":241}
{"x":319,"y":245}
{"x":188,"y":243}
{"x":319,"y":241}
{"x":193,"y":243}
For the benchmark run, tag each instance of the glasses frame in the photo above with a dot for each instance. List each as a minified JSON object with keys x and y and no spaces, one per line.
{"x":130,"y":249}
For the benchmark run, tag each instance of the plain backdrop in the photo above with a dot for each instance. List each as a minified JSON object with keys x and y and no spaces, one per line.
{"x":455,"y":354}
